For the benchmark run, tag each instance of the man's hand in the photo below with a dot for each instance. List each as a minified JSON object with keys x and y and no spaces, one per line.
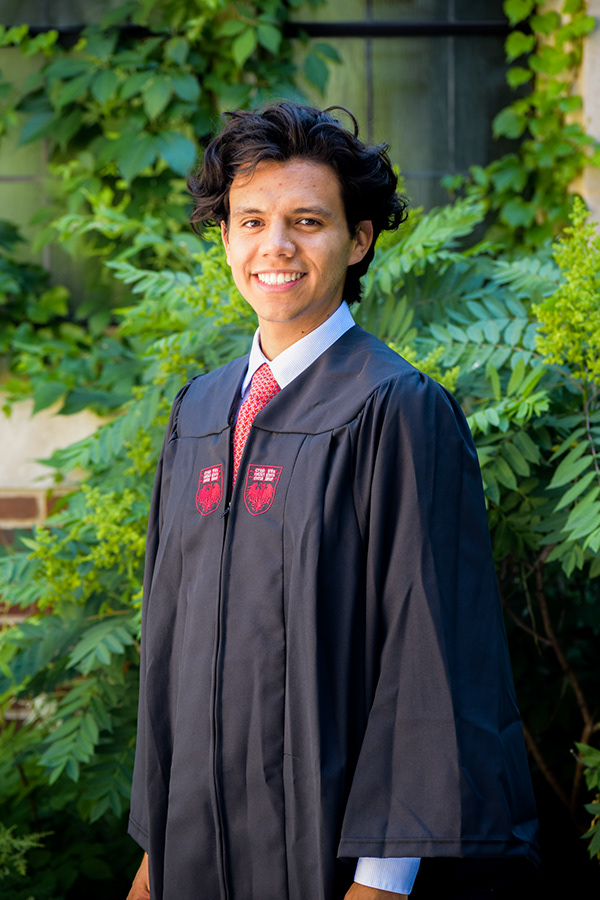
{"x":140,"y":889}
{"x":362,"y":892}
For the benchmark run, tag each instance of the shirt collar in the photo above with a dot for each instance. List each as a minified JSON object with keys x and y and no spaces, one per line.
{"x":293,"y":361}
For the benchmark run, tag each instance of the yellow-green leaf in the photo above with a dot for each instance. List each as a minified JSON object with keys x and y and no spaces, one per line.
{"x":516,"y":378}
{"x":243,"y":47}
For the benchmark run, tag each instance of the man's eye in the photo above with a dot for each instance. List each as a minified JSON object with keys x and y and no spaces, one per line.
{"x":306,"y":221}
{"x":251,"y":223}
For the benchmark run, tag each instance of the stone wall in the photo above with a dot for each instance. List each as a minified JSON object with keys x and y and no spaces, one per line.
{"x":589,"y":87}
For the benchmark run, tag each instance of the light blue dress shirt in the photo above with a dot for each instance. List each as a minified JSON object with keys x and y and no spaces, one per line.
{"x":390,"y":874}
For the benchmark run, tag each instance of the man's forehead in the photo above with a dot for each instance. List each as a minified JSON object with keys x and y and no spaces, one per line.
{"x":303,"y":185}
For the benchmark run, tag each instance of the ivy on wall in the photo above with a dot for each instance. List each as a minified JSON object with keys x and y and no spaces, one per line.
{"x":527,"y":190}
{"x":122,"y":114}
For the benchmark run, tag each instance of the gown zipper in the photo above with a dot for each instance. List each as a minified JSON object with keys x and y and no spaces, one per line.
{"x":222,"y":867}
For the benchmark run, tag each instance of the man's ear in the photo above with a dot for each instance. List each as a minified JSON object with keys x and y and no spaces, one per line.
{"x":225,"y":239}
{"x":363,"y":238}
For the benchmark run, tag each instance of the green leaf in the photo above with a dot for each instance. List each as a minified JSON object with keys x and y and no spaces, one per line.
{"x":491,"y":331}
{"x":491,"y":487}
{"x":157,"y":94}
{"x":105,"y":86}
{"x":92,"y":642}
{"x":570,"y":104}
{"x":68,"y":68}
{"x":517,"y":76}
{"x":549,"y":60}
{"x":516,"y":378}
{"x":513,"y":332}
{"x":546,"y":23}
{"x":516,"y":460}
{"x":518,"y":212}
{"x":509,"y":123}
{"x":494,"y":379}
{"x":67,"y":126}
{"x":589,"y":755}
{"x":72,"y":769}
{"x":100,"y":44}
{"x":89,"y":727}
{"x":569,"y":469}
{"x":141,"y":154}
{"x":177,"y":150}
{"x":243,"y":47}
{"x":440,"y":333}
{"x":492,"y":416}
{"x":584,"y":517}
{"x":517,"y":10}
{"x":594,"y":846}
{"x":134,"y":84}
{"x":74,"y":89}
{"x":316,"y":71}
{"x":528,"y":448}
{"x":231,"y":27}
{"x":176,"y":50}
{"x":530,"y":382}
{"x":519,"y":43}
{"x":36,"y":127}
{"x":326,"y":50}
{"x":504,"y":473}
{"x":573,"y":444}
{"x":458,"y":334}
{"x":186,"y":87}
{"x":509,"y":173}
{"x":592,"y":542}
{"x":48,"y":393}
{"x":269,"y":37}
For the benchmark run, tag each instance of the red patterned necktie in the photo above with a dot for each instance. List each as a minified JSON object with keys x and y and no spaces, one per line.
{"x":263,"y":388}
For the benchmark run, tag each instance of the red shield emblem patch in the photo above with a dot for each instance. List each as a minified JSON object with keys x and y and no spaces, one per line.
{"x":210,"y":490}
{"x":259,"y":492}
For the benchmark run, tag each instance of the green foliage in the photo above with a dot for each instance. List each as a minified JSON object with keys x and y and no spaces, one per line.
{"x":122,"y":115}
{"x":527,"y":190}
{"x":29,"y":307}
{"x":570,"y":319}
{"x":14,"y":849}
{"x":590,"y":758}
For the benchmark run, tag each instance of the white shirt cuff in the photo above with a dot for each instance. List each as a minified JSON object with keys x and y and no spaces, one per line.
{"x":390,"y":874}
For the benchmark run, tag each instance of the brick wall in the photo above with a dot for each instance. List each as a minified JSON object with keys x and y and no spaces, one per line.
{"x":27,"y":489}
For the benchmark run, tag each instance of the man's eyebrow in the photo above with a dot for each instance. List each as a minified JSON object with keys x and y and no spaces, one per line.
{"x":299,"y":211}
{"x":313,"y":211}
{"x":246,"y":211}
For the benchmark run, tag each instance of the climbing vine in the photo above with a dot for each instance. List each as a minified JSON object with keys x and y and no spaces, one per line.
{"x":528,"y":189}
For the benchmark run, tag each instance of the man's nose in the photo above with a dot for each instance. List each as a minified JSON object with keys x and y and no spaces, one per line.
{"x":278,"y":240}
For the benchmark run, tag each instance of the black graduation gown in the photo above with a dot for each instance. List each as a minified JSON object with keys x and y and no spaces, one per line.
{"x":324,"y":664}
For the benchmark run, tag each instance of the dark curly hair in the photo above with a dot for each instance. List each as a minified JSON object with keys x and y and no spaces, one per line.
{"x":287,"y":131}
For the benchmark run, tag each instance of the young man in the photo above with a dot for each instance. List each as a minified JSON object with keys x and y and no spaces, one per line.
{"x":326,"y":693}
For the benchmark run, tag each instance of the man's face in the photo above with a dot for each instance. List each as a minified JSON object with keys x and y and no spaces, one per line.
{"x":289,"y":247}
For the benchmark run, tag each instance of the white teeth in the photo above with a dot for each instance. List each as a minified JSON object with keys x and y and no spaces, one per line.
{"x":278,"y":277}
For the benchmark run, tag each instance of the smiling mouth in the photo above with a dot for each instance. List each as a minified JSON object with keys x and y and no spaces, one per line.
{"x":279,"y":277}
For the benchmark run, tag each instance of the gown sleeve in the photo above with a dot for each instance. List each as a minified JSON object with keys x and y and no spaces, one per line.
{"x":442,"y":769}
{"x":147,"y":767}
